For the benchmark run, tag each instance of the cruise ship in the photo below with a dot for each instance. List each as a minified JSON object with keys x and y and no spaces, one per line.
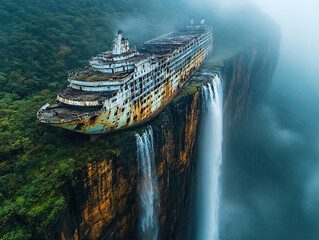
{"x":127,"y":87}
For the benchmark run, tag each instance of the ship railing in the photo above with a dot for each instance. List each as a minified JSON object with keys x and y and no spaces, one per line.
{"x":42,"y":109}
{"x":70,"y":118}
{"x":78,"y":117}
{"x":76,"y":72}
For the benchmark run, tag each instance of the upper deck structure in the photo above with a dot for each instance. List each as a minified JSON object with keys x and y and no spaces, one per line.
{"x":127,"y":87}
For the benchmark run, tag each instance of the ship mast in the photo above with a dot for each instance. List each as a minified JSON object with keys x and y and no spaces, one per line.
{"x":120,"y":44}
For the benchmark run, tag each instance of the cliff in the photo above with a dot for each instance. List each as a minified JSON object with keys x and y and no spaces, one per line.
{"x":103,"y":204}
{"x":247,"y":77}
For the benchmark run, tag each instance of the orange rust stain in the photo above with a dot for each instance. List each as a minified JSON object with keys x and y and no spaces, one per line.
{"x":163,"y":219}
{"x":190,"y":131}
{"x":108,"y":192}
{"x":160,"y":169}
{"x":76,"y":235}
{"x":98,"y":210}
{"x":121,"y":190}
{"x":122,"y":226}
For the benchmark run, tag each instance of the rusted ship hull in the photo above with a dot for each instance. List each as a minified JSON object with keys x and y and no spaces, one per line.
{"x":102,"y":122}
{"x":126,"y":88}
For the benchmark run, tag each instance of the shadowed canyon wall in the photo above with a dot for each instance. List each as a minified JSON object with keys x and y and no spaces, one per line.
{"x":103,"y":204}
{"x":247,"y":77}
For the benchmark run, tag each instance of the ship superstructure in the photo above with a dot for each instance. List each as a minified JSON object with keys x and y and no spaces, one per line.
{"x":126,"y":87}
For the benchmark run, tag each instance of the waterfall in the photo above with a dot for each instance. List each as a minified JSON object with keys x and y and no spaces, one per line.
{"x":210,"y":161}
{"x":147,"y":186}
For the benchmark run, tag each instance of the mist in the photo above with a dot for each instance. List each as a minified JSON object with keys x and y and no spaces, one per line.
{"x":271,"y":168}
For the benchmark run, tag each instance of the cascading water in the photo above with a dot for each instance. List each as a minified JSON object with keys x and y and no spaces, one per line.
{"x":147,"y":186}
{"x":210,"y":161}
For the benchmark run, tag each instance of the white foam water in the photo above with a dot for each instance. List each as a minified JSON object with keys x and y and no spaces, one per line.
{"x":147,"y":186}
{"x":210,"y":161}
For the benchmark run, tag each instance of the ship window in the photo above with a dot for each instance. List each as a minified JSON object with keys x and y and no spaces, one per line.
{"x":128,"y":120}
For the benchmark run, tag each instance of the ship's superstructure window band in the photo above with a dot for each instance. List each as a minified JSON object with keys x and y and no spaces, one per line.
{"x":126,"y":87}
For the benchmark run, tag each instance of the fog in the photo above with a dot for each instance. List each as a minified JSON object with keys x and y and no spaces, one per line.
{"x":299,"y":47}
{"x":271,"y":167}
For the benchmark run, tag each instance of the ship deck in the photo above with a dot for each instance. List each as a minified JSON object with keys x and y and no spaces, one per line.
{"x":111,"y":55}
{"x":89,"y":75}
{"x":167,"y":43}
{"x":158,"y":49}
{"x":58,"y":113}
{"x":134,"y":59}
{"x":78,"y":95}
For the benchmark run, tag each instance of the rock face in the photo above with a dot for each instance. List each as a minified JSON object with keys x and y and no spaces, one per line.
{"x":247,"y":77}
{"x":103,"y":204}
